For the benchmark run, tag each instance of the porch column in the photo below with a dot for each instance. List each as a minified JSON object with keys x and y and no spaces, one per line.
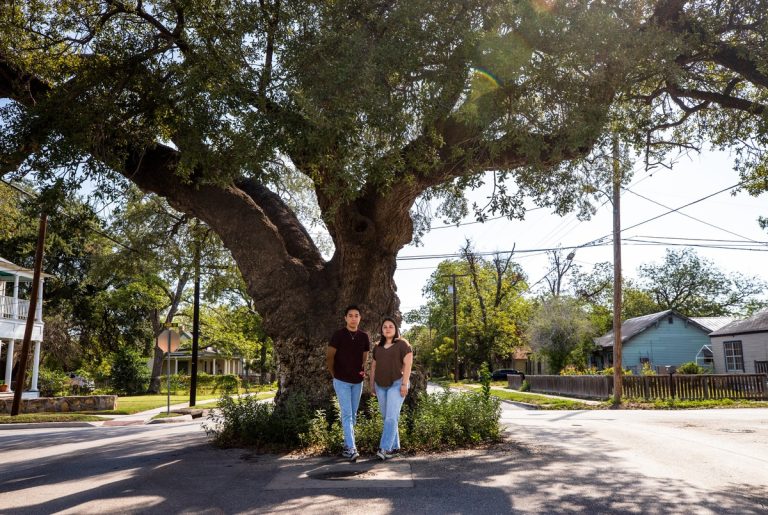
{"x":39,"y":308}
{"x":35,"y":367}
{"x":15,"y":305}
{"x":176,"y":366}
{"x":9,"y":364}
{"x":213,"y":363}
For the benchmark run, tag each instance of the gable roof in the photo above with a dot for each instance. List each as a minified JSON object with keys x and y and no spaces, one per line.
{"x":757,"y":323}
{"x":713,"y":323}
{"x":634,"y":326}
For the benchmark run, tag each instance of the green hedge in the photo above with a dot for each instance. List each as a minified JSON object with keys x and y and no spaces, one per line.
{"x":446,"y":420}
{"x":206,"y":384}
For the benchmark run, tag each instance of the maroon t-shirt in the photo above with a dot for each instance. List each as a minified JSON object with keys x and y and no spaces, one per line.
{"x":350,"y":347}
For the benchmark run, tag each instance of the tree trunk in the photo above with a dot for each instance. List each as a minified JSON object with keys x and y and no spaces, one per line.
{"x":157,"y":360}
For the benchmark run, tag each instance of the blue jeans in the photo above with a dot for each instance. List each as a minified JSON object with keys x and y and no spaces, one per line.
{"x":349,"y":400}
{"x":390,"y":402}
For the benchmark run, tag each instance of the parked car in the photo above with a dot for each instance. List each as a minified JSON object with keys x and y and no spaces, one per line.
{"x":501,"y":375}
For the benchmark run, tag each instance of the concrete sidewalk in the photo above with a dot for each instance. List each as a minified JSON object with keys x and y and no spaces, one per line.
{"x":134,"y":419}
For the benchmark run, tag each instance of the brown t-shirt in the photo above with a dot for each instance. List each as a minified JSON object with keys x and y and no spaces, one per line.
{"x":389,"y":362}
{"x":348,"y":361}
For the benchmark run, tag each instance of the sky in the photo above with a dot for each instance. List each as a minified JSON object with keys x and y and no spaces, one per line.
{"x":721,"y":217}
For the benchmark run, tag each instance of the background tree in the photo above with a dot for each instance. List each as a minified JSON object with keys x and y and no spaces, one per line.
{"x":695,"y":287}
{"x":560,"y":331}
{"x":491,"y":312}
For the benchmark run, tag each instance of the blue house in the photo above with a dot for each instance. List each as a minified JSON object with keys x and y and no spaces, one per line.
{"x":661,"y":339}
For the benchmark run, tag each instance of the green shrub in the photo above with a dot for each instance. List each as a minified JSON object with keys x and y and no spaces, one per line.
{"x":525,"y":386}
{"x":440,"y":421}
{"x":485,"y":379}
{"x":573,"y":370}
{"x":129,"y":374}
{"x":691,"y":368}
{"x":609,"y":372}
{"x":206,"y":384}
{"x":647,"y":370}
{"x":247,"y":421}
{"x":52,"y":383}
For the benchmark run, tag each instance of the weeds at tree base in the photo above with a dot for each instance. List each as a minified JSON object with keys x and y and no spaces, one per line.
{"x":442,"y":421}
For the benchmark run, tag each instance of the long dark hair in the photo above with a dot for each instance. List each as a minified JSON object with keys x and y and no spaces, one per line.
{"x":383,"y":340}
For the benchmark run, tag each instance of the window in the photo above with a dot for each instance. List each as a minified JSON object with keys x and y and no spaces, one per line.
{"x":669,"y":320}
{"x":761,"y":367}
{"x":643,"y":361}
{"x":734,"y":356}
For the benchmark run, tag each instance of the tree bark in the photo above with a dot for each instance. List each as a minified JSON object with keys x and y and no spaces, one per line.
{"x":157,"y":357}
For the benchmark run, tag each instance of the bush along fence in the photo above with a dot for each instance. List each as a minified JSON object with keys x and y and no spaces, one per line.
{"x":680,"y":386}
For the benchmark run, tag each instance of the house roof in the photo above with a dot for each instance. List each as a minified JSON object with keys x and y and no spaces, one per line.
{"x":634,"y":326}
{"x":25,"y":274}
{"x":757,"y":323}
{"x":713,"y":323}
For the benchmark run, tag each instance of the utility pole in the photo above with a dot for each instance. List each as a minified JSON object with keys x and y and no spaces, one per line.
{"x":30,"y":316}
{"x":455,"y":331}
{"x":455,"y":325}
{"x":195,"y":330}
{"x":617,"y":368}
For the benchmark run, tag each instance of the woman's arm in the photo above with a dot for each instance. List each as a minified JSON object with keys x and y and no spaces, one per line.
{"x":407,"y":365}
{"x":373,"y":377}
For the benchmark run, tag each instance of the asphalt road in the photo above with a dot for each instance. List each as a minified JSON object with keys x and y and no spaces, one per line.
{"x":713,"y":461}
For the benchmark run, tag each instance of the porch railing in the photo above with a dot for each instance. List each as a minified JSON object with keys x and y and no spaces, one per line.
{"x":6,"y":307}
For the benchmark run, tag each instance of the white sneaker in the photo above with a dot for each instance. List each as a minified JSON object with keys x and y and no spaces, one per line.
{"x":384,"y":455}
{"x":350,"y":454}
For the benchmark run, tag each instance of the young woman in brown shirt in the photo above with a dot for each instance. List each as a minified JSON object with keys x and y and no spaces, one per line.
{"x":390,"y":374}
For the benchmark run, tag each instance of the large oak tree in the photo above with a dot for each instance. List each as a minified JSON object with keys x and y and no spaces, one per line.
{"x":376,"y":104}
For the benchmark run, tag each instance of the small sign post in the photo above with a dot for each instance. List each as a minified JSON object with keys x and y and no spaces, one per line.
{"x":168,"y":341}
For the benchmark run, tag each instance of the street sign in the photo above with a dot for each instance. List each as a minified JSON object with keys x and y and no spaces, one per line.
{"x":168,"y":337}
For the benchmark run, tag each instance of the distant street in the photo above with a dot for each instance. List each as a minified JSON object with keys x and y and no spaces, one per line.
{"x":707,"y":461}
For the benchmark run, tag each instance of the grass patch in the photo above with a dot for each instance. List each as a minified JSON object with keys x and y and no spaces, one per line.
{"x":670,"y":404}
{"x":542,"y":401}
{"x":167,"y":415}
{"x":34,"y":418}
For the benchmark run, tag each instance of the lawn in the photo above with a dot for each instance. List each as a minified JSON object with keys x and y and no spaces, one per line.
{"x":542,"y":401}
{"x":129,"y":405}
{"x":26,"y":418}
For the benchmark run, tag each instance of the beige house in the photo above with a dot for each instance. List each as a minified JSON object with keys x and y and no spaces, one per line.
{"x":209,"y":360}
{"x":741,"y":346}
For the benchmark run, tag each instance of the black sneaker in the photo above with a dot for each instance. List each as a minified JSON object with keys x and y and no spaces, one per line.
{"x":350,"y":454}
{"x":384,"y":455}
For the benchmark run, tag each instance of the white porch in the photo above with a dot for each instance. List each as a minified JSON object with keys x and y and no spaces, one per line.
{"x":15,"y":285}
{"x":209,"y":361}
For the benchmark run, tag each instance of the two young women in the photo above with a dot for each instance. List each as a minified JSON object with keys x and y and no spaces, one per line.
{"x":390,"y":370}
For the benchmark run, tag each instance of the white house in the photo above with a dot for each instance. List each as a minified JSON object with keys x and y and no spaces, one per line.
{"x":742,"y":346}
{"x":14,"y":311}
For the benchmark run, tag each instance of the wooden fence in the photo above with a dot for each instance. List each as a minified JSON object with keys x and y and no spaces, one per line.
{"x":688,"y":387}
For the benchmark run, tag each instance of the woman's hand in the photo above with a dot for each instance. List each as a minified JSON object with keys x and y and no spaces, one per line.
{"x":403,"y":390}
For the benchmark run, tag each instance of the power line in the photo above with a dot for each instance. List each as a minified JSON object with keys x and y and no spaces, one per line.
{"x":689,"y":216}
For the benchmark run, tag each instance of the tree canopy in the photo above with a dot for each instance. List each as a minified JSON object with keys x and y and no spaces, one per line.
{"x":376,"y":106}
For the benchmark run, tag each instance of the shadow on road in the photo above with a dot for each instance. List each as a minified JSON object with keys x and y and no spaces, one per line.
{"x":152,"y":471}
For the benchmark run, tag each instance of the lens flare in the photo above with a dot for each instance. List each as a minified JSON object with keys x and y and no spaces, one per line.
{"x":487,"y":76}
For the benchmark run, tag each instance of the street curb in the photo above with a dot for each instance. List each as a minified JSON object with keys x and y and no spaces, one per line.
{"x":48,"y":425}
{"x":523,"y":405}
{"x":171,"y":420}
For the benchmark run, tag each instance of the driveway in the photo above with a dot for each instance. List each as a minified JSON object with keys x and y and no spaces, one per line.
{"x":712,"y":461}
